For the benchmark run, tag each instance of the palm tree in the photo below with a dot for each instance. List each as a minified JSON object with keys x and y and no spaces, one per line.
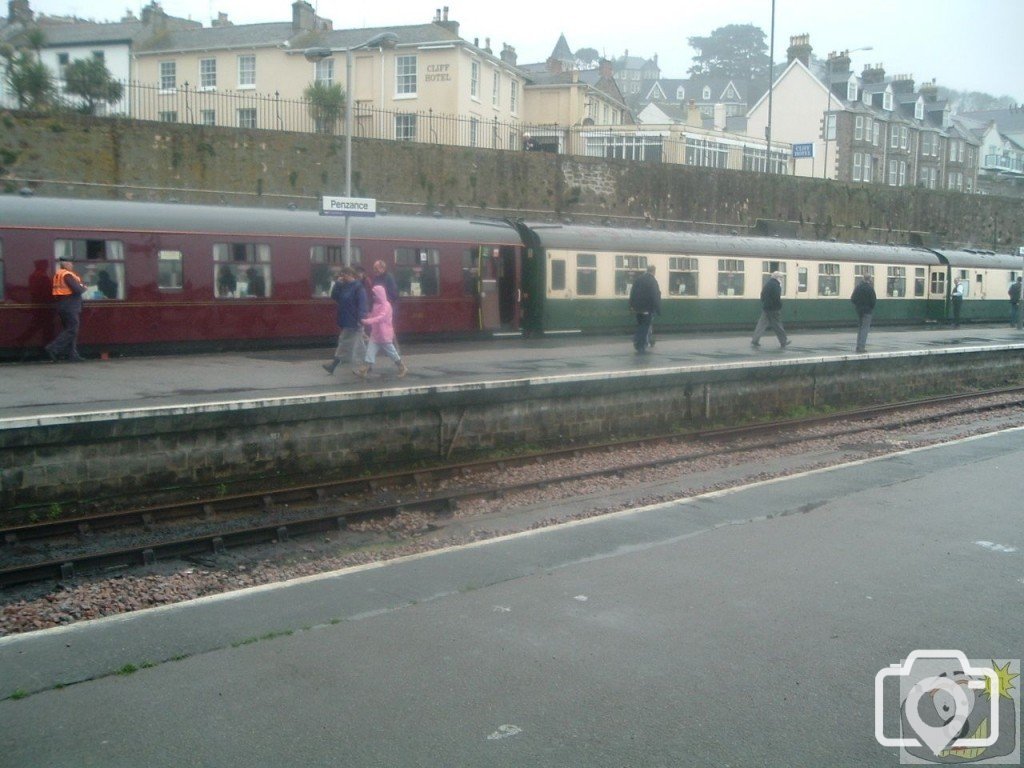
{"x":327,"y":103}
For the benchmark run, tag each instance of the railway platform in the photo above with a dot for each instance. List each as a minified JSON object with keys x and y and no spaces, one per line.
{"x":742,"y":627}
{"x":30,"y":390}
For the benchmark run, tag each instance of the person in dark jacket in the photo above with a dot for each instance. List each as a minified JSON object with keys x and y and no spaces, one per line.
{"x":771,"y":312}
{"x":645,"y":301}
{"x":67,"y":290}
{"x":350,"y":296}
{"x":863,"y":299}
{"x":1014,"y":294}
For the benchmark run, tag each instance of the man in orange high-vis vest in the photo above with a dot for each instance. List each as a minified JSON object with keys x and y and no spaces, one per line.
{"x":67,"y":290}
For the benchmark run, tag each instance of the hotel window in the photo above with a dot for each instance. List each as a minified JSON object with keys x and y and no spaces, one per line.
{"x":858,"y":165}
{"x":100,"y":263}
{"x":496,"y":90}
{"x":207,"y":117}
{"x":627,"y":270}
{"x":682,"y":276}
{"x":247,"y":117}
{"x":241,"y":270}
{"x":858,"y":128}
{"x":828,"y":279}
{"x":207,"y":74}
{"x":170,"y":116}
{"x":168,"y":75}
{"x":417,"y":271}
{"x":405,"y":127}
{"x":246,"y":71}
{"x":586,"y":274}
{"x":730,"y":277}
{"x":324,"y":71}
{"x":405,"y":75}
{"x":896,"y":282}
{"x":169,"y":270}
{"x":513,"y":96}
{"x":474,"y":79}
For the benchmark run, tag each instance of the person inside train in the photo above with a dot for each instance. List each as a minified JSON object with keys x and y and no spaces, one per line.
{"x":106,"y":284}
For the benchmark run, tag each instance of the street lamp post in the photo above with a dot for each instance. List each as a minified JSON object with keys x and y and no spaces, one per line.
{"x":828,"y":105}
{"x":319,"y":54}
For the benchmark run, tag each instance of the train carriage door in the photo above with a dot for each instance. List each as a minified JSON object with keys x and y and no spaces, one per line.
{"x":499,"y":305}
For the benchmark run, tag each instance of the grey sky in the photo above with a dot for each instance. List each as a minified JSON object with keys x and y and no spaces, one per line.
{"x":963,"y":44}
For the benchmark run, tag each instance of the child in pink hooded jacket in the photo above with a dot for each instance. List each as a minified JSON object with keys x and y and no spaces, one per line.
{"x":382,"y":334}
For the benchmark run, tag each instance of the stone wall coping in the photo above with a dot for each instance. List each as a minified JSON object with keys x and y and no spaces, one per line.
{"x":227,"y":406}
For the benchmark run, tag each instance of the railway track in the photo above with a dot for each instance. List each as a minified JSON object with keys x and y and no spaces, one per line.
{"x":221,"y":523}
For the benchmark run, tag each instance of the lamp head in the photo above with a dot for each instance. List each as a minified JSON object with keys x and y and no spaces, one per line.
{"x":317,"y":54}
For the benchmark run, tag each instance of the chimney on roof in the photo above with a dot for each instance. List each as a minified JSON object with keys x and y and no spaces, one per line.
{"x":799,"y":49}
{"x":303,"y":17}
{"x":605,"y":69}
{"x":18,"y":12}
{"x":693,"y":114}
{"x":903,"y":84}
{"x":508,"y":54}
{"x":221,"y":20}
{"x":487,"y":45}
{"x":930,"y":91}
{"x":153,"y":15}
{"x":840,"y":63}
{"x":442,"y":21}
{"x":554,"y":66}
{"x":872,"y":75}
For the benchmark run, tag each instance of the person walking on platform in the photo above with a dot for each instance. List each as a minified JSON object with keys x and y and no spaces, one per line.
{"x":645,"y":301}
{"x":382,"y":334}
{"x":350,"y":296}
{"x":957,"y":298}
{"x":864,"y":299}
{"x":67,"y":289}
{"x":381,"y":276}
{"x":1015,"y":303}
{"x":771,"y":312}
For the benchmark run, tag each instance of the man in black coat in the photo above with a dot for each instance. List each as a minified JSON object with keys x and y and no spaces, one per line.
{"x":863,"y":299}
{"x":645,"y":300}
{"x":771,"y":312}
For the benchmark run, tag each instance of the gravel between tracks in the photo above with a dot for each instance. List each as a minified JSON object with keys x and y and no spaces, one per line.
{"x":38,"y":607}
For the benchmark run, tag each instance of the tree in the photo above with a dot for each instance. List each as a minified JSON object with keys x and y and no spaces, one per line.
{"x":327,"y":103}
{"x":738,"y":51}
{"x":90,"y":79}
{"x":588,"y":57}
{"x":28,"y":77}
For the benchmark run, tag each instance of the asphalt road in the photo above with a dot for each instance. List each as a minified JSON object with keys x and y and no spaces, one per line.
{"x":743,"y":628}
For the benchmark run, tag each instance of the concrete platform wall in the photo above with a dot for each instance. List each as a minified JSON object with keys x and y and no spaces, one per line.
{"x":72,"y":464}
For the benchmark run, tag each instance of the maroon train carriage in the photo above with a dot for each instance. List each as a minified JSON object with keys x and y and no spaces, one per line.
{"x":179,"y":277}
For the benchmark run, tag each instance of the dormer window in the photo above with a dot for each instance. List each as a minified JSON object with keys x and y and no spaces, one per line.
{"x":887,"y":100}
{"x":706,"y":94}
{"x":851,"y":89}
{"x":919,"y":109}
{"x":865,"y":96}
{"x":680,"y":93}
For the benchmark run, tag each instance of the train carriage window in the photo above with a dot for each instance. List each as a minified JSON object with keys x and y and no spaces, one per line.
{"x":417,"y":271}
{"x":864,"y":270}
{"x":938,"y":283}
{"x":586,"y":274}
{"x":242,"y":270}
{"x":100,"y":264}
{"x":828,"y":279}
{"x":325,"y":263}
{"x":801,"y":280}
{"x":2,"y":294}
{"x":169,"y":270}
{"x":682,"y":276}
{"x":919,"y":282}
{"x":730,"y":277}
{"x":896,"y":282}
{"x":558,"y":274}
{"x":768,"y":267}
{"x":627,"y":269}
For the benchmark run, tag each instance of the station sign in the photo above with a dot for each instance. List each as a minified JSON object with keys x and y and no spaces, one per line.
{"x":803,"y":150}
{"x":348,"y":206}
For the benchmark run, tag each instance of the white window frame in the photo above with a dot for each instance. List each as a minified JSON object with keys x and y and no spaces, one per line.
{"x":474,"y":80}
{"x":858,"y":128}
{"x":858,"y":164}
{"x":851,"y":90}
{"x":496,"y":90}
{"x":208,"y":74}
{"x":406,"y":75}
{"x":247,"y":117}
{"x":168,"y":76}
{"x":405,"y":127}
{"x":323,"y":71}
{"x":513,"y":96}
{"x":246,"y":74}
